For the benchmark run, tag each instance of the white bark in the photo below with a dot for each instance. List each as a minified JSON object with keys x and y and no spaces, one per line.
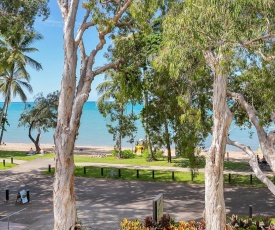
{"x":266,"y":141}
{"x":253,"y":162}
{"x":71,"y":101}
{"x":215,"y":215}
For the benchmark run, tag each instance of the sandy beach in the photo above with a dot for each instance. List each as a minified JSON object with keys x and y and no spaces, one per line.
{"x":85,"y":150}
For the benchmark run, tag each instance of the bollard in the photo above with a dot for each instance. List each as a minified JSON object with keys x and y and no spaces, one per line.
{"x":250,"y":179}
{"x":153,"y":174}
{"x":84,"y":170}
{"x":101,"y":169}
{"x":7,"y":194}
{"x":227,"y":156}
{"x":28,"y":196}
{"x":250,"y":211}
{"x":229,"y":178}
{"x":192,"y":175}
{"x":137,"y":173}
{"x":11,"y":160}
{"x":119,"y":173}
{"x":173,"y":175}
{"x":4,"y":163}
{"x":49,"y":170}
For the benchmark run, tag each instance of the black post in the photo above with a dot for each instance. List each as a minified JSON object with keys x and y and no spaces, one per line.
{"x":250,"y":211}
{"x":251,"y":179}
{"x":138,"y":173}
{"x":119,"y":173}
{"x":28,"y":195}
{"x":84,"y":170}
{"x":192,"y":175}
{"x":11,"y":160}
{"x":101,"y":171}
{"x":7,"y":194}
{"x":229,"y":178}
{"x":153,"y":174}
{"x":49,"y":168}
{"x":173,"y":175}
{"x":4,"y":162}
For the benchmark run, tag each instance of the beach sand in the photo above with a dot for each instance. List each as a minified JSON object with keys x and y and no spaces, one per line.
{"x":90,"y":150}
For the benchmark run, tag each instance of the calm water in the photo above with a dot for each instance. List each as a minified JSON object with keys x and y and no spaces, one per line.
{"x":93,"y":131}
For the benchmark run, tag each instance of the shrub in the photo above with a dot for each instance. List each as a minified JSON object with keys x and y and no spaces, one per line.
{"x":126,"y":154}
{"x":167,"y":223}
{"x":145,"y":154}
{"x":159,"y":154}
{"x":114,"y":152}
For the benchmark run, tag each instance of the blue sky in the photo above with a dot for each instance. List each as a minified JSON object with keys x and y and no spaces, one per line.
{"x":50,"y":55}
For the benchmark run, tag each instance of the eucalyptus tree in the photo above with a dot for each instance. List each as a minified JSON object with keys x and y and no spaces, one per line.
{"x":107,"y":17}
{"x":41,"y":114}
{"x":252,"y":100}
{"x":13,"y":76}
{"x":213,"y":30}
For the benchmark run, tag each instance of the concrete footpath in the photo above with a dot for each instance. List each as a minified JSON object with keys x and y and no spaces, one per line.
{"x":103,"y":203}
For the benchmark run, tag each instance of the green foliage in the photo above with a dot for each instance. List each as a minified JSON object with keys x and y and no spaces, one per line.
{"x":166,"y":222}
{"x":127,"y":154}
{"x":43,"y":112}
{"x":19,"y":15}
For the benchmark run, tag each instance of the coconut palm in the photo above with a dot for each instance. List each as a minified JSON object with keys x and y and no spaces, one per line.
{"x":13,"y":75}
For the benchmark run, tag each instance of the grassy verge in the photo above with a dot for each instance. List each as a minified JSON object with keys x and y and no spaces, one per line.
{"x":161,"y":176}
{"x":177,"y":162}
{"x":22,"y":155}
{"x":7,"y":165}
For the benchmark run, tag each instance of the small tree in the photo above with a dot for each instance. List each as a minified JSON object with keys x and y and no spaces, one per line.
{"x":42,"y":114}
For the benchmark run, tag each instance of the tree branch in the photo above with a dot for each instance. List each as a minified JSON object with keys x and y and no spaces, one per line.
{"x":112,"y":65}
{"x":250,"y":110}
{"x":64,"y":7}
{"x":102,"y":40}
{"x":248,"y":43}
{"x":270,"y":58}
{"x":84,"y":26}
{"x":253,"y":162}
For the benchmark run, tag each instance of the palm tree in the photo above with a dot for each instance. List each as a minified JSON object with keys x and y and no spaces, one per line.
{"x":13,"y":75}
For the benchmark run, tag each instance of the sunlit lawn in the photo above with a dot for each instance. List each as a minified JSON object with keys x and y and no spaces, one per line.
{"x":161,"y":176}
{"x":7,"y":165}
{"x":138,"y":160}
{"x":146,"y":175}
{"x":22,"y":155}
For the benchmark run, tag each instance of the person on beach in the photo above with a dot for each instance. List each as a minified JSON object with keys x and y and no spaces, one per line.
{"x":31,"y":152}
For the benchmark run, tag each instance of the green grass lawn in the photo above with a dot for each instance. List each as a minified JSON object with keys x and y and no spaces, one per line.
{"x":177,"y":162}
{"x":22,"y":155}
{"x":161,"y":176}
{"x":7,"y":165}
{"x":131,"y":174}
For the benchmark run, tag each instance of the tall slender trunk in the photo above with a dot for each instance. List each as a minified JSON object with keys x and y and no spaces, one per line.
{"x":5,"y":110}
{"x":64,"y":203}
{"x":167,"y":140}
{"x":215,"y":214}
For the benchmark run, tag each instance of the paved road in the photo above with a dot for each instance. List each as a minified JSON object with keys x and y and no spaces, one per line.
{"x":103,"y":203}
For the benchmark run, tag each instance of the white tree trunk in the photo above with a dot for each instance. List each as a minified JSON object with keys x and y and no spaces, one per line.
{"x":215,"y":215}
{"x":64,"y":138}
{"x":71,"y":103}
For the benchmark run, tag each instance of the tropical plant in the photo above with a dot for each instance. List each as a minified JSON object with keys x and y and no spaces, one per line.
{"x":13,"y":76}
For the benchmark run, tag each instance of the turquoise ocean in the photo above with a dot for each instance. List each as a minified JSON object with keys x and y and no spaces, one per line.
{"x":93,"y":131}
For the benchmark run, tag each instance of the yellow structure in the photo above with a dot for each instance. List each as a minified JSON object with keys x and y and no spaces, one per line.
{"x":139,"y":148}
